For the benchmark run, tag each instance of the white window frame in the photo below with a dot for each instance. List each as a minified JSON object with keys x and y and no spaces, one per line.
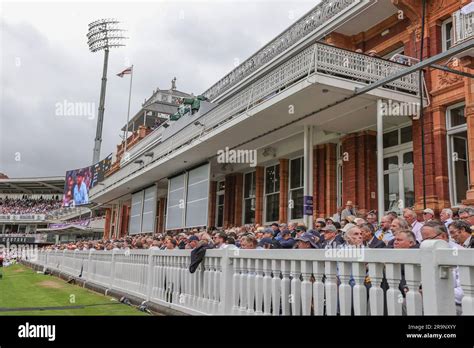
{"x":265,"y":194}
{"x":218,"y":194}
{"x":297,"y":188}
{"x":444,"y":38}
{"x":398,"y":150}
{"x":450,"y":132}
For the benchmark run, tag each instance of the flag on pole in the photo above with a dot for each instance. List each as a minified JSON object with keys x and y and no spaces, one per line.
{"x":126,"y":71}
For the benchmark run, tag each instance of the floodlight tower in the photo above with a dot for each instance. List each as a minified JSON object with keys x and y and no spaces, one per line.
{"x":103,"y":34}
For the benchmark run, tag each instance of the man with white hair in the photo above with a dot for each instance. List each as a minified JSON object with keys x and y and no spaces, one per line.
{"x":415,"y":226}
{"x":446,"y":217}
{"x":353,"y":236}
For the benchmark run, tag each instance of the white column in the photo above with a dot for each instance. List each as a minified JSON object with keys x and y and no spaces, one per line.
{"x":308,"y":170}
{"x":380,"y":183}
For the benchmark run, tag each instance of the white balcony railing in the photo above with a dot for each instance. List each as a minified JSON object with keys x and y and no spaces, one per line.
{"x":318,"y":59}
{"x":284,"y":282}
{"x":319,"y":15}
{"x":463,"y":24}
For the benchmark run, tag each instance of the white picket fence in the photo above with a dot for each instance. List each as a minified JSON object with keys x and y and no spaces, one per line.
{"x":282,"y":282}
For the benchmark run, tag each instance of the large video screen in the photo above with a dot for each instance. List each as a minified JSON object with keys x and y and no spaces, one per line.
{"x":76,"y":187}
{"x":80,"y":181}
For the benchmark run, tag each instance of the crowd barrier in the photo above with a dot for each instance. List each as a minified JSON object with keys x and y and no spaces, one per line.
{"x":282,"y":282}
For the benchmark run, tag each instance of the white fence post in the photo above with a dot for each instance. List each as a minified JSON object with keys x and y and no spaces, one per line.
{"x":112,"y":270}
{"x":437,"y":282}
{"x":90,"y":269}
{"x":226,"y":278}
{"x":149,"y":277}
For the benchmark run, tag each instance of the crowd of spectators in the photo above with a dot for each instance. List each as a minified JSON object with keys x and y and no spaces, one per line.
{"x":26,"y":205}
{"x":346,"y":228}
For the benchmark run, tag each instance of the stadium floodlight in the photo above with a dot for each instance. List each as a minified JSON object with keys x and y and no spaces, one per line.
{"x":103,"y":34}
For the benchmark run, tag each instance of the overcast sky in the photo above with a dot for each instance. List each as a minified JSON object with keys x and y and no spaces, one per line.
{"x":46,"y":63}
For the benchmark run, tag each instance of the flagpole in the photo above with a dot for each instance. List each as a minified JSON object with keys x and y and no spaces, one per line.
{"x":125,"y":132}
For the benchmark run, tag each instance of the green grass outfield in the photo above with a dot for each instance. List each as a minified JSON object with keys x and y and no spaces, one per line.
{"x":22,"y":287}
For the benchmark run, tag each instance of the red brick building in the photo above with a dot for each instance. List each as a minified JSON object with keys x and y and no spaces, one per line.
{"x":291,"y":103}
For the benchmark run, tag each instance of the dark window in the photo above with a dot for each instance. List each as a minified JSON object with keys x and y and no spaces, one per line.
{"x":406,"y":135}
{"x":390,"y":139}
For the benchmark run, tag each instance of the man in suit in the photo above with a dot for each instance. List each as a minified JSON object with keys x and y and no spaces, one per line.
{"x":329,"y":234}
{"x":460,"y":232}
{"x":405,"y":239}
{"x":467,"y":214}
{"x":384,"y":233}
{"x":368,"y":235}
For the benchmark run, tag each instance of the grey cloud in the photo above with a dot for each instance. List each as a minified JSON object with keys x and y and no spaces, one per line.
{"x":198,"y":50}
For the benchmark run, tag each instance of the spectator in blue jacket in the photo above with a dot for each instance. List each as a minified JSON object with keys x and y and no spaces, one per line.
{"x":286,"y":241}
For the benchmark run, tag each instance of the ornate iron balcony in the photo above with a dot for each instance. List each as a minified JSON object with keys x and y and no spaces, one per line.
{"x":323,"y":12}
{"x":463,"y":25}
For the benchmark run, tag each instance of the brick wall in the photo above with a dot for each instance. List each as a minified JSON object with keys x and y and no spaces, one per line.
{"x":360,"y":169}
{"x":229,"y":200}
{"x":108,"y":217}
{"x":238,"y":198}
{"x":324,"y":180}
{"x":284,"y":187}
{"x":259,"y":179}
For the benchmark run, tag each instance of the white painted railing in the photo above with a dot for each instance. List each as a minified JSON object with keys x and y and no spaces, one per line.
{"x":283,"y":282}
{"x":322,"y":13}
{"x":463,"y":25}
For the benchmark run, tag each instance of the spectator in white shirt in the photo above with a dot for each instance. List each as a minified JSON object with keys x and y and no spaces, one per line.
{"x":428,"y":214}
{"x":415,"y":225}
{"x":446,"y":217}
{"x":220,"y":240}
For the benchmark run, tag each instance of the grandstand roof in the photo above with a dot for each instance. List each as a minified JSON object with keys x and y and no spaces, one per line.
{"x":42,"y":185}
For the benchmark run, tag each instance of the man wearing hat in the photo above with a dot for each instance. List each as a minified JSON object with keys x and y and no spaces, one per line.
{"x":268,"y":233}
{"x":307,"y":241}
{"x":428,"y":214}
{"x":329,"y":221}
{"x":275,"y":228}
{"x":267,"y":243}
{"x":286,"y":241}
{"x":300,"y":230}
{"x":329,"y":232}
{"x":192,"y":242}
{"x":349,"y":210}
